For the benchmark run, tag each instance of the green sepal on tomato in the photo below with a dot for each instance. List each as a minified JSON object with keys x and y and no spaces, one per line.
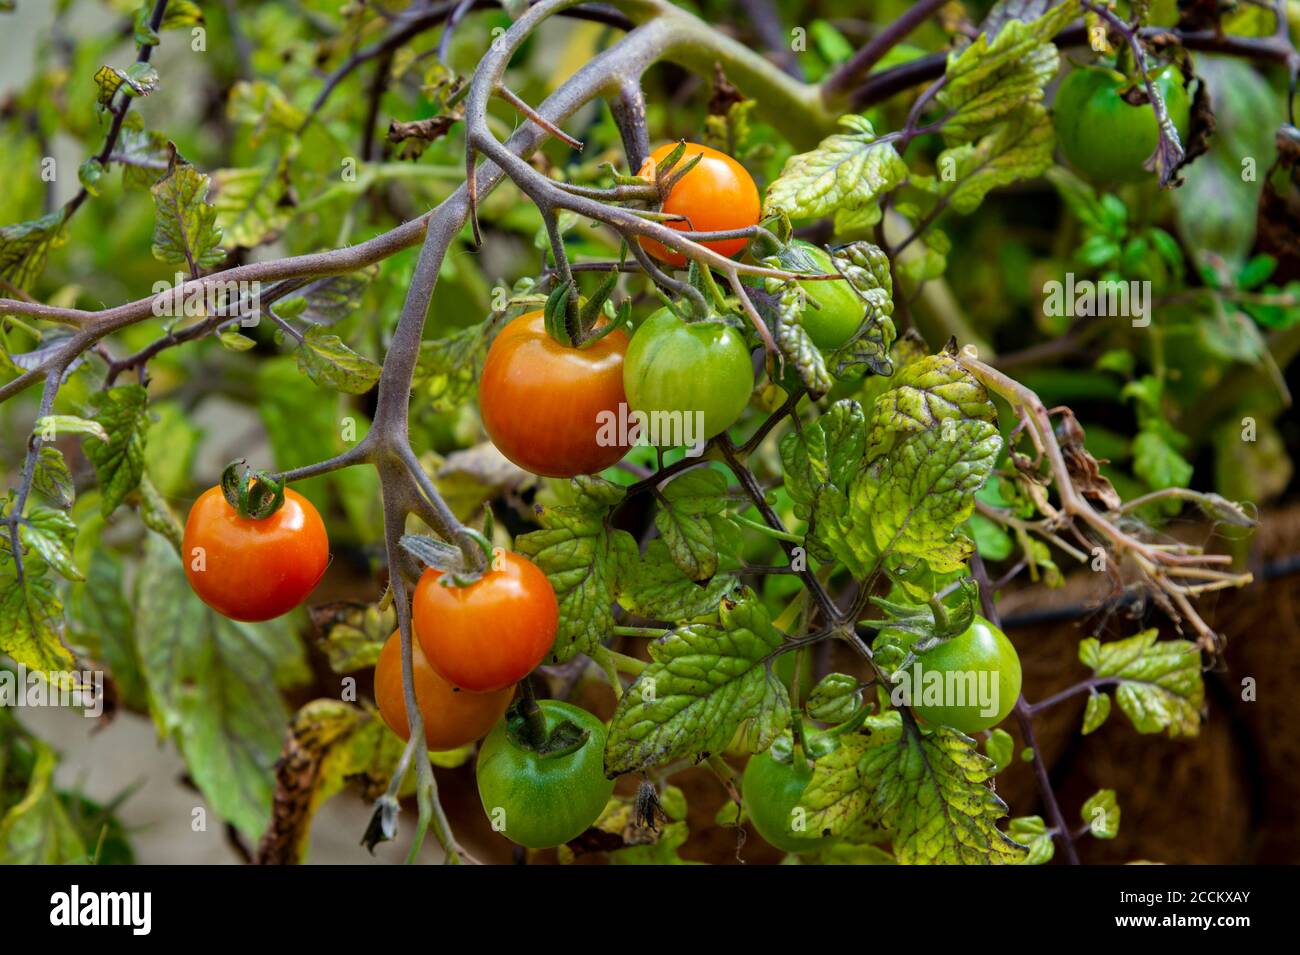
{"x":1102,"y":134}
{"x":543,"y":795}
{"x":679,"y":368}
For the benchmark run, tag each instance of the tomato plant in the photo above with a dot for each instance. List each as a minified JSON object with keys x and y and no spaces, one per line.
{"x":542,"y":799}
{"x":1101,"y":133}
{"x":455,"y":337}
{"x":489,"y":634}
{"x":688,"y":370}
{"x":253,"y":569}
{"x":717,"y":195}
{"x":542,"y":402}
{"x":452,"y":718}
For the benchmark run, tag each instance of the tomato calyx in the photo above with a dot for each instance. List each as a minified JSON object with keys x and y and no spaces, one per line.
{"x":255,"y":495}
{"x":664,"y":175}
{"x":526,"y":729}
{"x":574,"y":320}
{"x":459,"y":566}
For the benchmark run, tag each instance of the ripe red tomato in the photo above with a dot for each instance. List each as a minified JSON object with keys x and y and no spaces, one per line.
{"x":492,"y":633}
{"x":718,"y":194}
{"x":542,"y":401}
{"x":452,"y":718}
{"x":249,"y":569}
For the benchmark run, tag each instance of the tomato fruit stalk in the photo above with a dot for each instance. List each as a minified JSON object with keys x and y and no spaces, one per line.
{"x":490,"y":634}
{"x":253,"y":569}
{"x":544,"y":797}
{"x":452,"y":718}
{"x":543,"y":403}
{"x":717,"y":195}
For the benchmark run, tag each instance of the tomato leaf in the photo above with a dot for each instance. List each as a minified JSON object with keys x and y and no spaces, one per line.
{"x":25,"y":246}
{"x":693,"y":523}
{"x":931,"y":790}
{"x":1032,"y":831}
{"x":36,"y":829}
{"x":331,"y":364}
{"x":992,"y":78}
{"x":123,"y":415}
{"x":1096,"y":712}
{"x":1160,"y":685}
{"x":51,"y":534}
{"x":1101,"y":813}
{"x":213,"y":686}
{"x":835,"y":698}
{"x":581,"y":556}
{"x":31,"y":614}
{"x":850,"y":171}
{"x":185,"y":228}
{"x":52,"y":477}
{"x":653,"y":586}
{"x":708,"y":687}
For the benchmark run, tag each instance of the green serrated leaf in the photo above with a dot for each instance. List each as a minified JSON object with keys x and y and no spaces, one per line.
{"x":1000,"y":748}
{"x":51,"y":533}
{"x":36,"y":829}
{"x":653,"y":586}
{"x":250,"y":204}
{"x":1096,"y":712}
{"x":835,"y":698}
{"x":185,"y":228}
{"x":991,"y":78}
{"x":331,"y":364}
{"x":581,"y":556}
{"x":932,"y":792}
{"x":1032,"y":832}
{"x":1160,"y":686}
{"x":31,"y":615}
{"x":693,"y":523}
{"x":707,"y":688}
{"x":447,"y":371}
{"x":52,"y":478}
{"x":1101,"y":813}
{"x":24,"y":247}
{"x":847,"y":171}
{"x":119,"y":462}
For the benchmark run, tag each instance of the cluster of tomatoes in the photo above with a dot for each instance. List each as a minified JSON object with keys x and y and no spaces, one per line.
{"x":541,"y":404}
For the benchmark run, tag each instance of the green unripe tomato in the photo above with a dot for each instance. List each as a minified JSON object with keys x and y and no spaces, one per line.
{"x":953,"y":683}
{"x":544,"y":801}
{"x":688,"y":368}
{"x":1101,"y":134}
{"x":771,"y":790}
{"x":835,"y":311}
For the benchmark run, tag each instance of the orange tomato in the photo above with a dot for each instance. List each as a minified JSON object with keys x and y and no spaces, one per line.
{"x":492,"y":633}
{"x":541,"y":401}
{"x":717,"y":195}
{"x":452,"y":718}
{"x":249,"y":569}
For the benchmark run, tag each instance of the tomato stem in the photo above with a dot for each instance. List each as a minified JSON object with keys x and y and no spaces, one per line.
{"x":534,"y":719}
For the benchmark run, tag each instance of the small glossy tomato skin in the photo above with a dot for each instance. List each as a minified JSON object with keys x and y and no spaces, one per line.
{"x":979,"y":650}
{"x":835,"y":312}
{"x":717,"y":195}
{"x":770,"y":790}
{"x":544,"y":801}
{"x":254,"y":570}
{"x":543,"y":403}
{"x":1105,"y":137}
{"x":688,"y":367}
{"x":452,"y":718}
{"x":491,"y":634}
